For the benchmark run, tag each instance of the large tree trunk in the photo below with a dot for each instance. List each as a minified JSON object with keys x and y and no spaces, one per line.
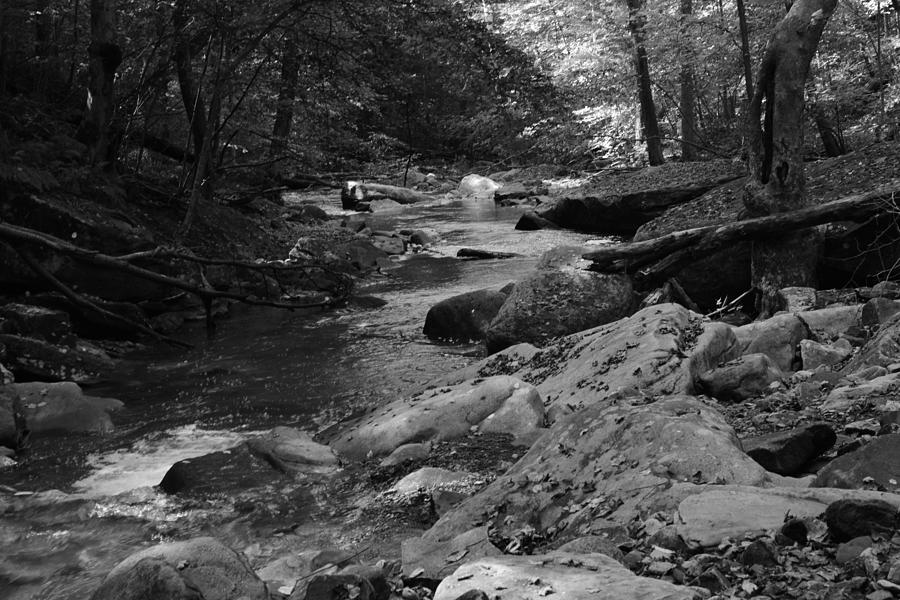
{"x":287,"y":93}
{"x":105,"y":57}
{"x":688,"y":100}
{"x":775,"y":130}
{"x":637,"y":21}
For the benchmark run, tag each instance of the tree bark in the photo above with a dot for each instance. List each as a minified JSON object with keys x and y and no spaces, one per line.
{"x":832,"y":140}
{"x":688,"y":99}
{"x":287,"y":93}
{"x":637,"y":21}
{"x":105,"y":57}
{"x":745,"y":49}
{"x":775,"y":135}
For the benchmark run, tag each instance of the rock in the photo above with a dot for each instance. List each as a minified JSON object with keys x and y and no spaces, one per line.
{"x":227,"y":471}
{"x":381,"y":205}
{"x":797,"y":299}
{"x":878,"y":460}
{"x":389,"y":244}
{"x":362,"y":254}
{"x":337,"y":585}
{"x":407,"y":452}
{"x":307,"y":213}
{"x":438,"y":559}
{"x":464,"y":317}
{"x":474,"y":253}
{"x":758,"y":553}
{"x":513,"y":191}
{"x":745,"y":377}
{"x":519,"y":415}
{"x":710,"y":514}
{"x":882,"y":350}
{"x":90,"y":325}
{"x":878,"y":311}
{"x":422,"y":237}
{"x":658,"y":350}
{"x":814,"y":354}
{"x":830,"y":323}
{"x":639,"y":449}
{"x":592,"y":544}
{"x":850,"y":550}
{"x":6,"y":376}
{"x":294,"y":451}
{"x":201,"y":568}
{"x":847,"y":519}
{"x":557,"y":575}
{"x":788,"y":452}
{"x":777,"y":337}
{"x":875,"y":392}
{"x":31,"y":359}
{"x":36,"y":322}
{"x":431,"y":479}
{"x":477,"y":185}
{"x":439,"y":414}
{"x":532,"y":221}
{"x":549,"y":304}
{"x":63,"y":408}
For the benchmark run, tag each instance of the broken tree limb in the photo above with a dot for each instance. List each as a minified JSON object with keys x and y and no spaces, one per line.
{"x":16,"y":234}
{"x":85,"y":305}
{"x":353,"y":192}
{"x":668,"y":253}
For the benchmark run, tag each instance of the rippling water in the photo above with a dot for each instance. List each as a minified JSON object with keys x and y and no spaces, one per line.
{"x":260,"y":368}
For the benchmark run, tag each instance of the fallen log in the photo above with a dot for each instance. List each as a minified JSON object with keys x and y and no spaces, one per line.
{"x":655,"y":260}
{"x":354,"y":192}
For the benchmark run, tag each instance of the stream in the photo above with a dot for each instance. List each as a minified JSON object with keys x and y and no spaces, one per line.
{"x":82,"y":503}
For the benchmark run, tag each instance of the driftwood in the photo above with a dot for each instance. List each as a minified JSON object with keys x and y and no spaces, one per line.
{"x":656,"y":260}
{"x":16,"y":235}
{"x":353,"y":192}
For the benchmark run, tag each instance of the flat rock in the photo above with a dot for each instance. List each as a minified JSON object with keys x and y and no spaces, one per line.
{"x":607,"y":460}
{"x":878,"y":460}
{"x":205,"y":566}
{"x":225,"y":472}
{"x":815,"y":354}
{"x":874,"y":392}
{"x":407,"y":452}
{"x":390,"y":244}
{"x":438,"y":560}
{"x":438,"y":414}
{"x":294,"y":451}
{"x":475,"y":253}
{"x":63,"y":408}
{"x":720,"y":512}
{"x":31,"y":359}
{"x":661,"y":349}
{"x":520,"y":415}
{"x":745,"y":377}
{"x":829,"y":323}
{"x":557,"y":575}
{"x":431,"y":479}
{"x":788,"y":452}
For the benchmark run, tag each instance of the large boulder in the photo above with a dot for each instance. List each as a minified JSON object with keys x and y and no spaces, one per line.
{"x":660,"y":349}
{"x":778,"y":338}
{"x":438,"y":414}
{"x":477,"y":185}
{"x":788,"y":452}
{"x":558,"y":575}
{"x":607,"y":462}
{"x":225,"y":472}
{"x":882,"y":350}
{"x":877,"y":462}
{"x":63,"y":408}
{"x":201,"y":568}
{"x":464,"y":317}
{"x":745,"y":377}
{"x":37,"y":322}
{"x":551,"y":303}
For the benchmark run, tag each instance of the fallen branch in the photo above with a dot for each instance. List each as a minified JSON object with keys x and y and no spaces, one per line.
{"x":86,"y":305}
{"x":15,"y":233}
{"x":669,"y":253}
{"x":353,"y":192}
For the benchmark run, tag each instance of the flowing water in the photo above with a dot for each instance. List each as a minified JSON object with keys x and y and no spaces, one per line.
{"x":258,"y":369}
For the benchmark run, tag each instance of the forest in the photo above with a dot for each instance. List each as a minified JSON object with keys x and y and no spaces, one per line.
{"x":449,"y":299}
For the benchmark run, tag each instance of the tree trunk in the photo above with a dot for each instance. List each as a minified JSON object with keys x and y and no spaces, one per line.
{"x":287,"y":93}
{"x":637,"y":21}
{"x":832,"y":140}
{"x":745,"y":49}
{"x":190,"y":94}
{"x":775,"y":129}
{"x":688,"y":109}
{"x":105,"y":57}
